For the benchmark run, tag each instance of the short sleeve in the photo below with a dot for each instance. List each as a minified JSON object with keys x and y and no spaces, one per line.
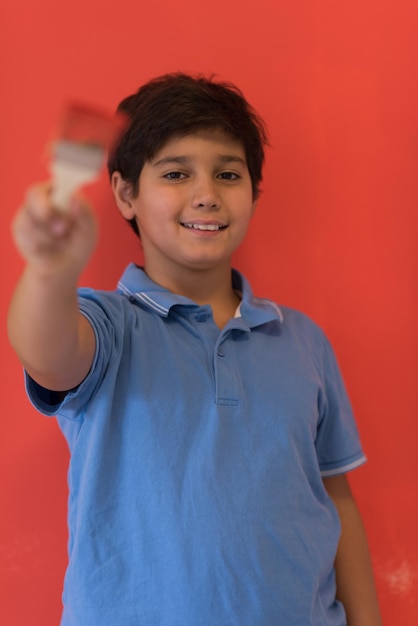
{"x":337,"y":443}
{"x":104,"y":318}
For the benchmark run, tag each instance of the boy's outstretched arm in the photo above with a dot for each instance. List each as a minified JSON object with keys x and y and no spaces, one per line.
{"x":54,"y":342}
{"x":355,"y":581}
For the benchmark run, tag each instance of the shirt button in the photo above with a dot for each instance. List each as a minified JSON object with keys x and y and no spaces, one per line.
{"x":201,"y":317}
{"x":221,"y":351}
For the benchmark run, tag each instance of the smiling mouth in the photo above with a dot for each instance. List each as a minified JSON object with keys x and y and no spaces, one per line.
{"x":211,"y":227}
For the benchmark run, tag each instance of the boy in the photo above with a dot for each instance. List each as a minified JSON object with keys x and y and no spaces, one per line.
{"x":209,"y":430}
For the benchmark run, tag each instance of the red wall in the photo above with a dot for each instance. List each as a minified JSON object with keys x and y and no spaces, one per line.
{"x":335,"y":233}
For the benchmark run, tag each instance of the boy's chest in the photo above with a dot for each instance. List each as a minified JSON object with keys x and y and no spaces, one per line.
{"x":201,"y":394}
{"x":196,"y":365}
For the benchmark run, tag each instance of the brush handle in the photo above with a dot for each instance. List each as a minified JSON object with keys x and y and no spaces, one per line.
{"x":66,"y":179}
{"x":73,"y":165}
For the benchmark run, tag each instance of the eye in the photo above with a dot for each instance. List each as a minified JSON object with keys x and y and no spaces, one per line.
{"x":229,"y":176}
{"x":174,"y":176}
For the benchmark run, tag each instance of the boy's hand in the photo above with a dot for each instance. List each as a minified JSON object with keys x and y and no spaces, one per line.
{"x":54,"y":241}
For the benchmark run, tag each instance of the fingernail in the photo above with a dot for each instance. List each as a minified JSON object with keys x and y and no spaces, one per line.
{"x":58,"y":226}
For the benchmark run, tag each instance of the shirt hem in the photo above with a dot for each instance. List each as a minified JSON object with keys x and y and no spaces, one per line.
{"x":344,"y":468}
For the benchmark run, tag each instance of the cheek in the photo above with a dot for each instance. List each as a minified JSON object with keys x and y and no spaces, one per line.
{"x":242,"y":223}
{"x":167,"y":200}
{"x":158,"y":212}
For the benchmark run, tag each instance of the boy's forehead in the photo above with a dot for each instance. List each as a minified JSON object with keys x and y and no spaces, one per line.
{"x":185,"y":145}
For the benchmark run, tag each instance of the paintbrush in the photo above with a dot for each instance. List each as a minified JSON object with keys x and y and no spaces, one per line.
{"x":84,"y":136}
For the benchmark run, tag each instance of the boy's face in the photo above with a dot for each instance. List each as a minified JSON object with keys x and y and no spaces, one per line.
{"x":194,"y":204}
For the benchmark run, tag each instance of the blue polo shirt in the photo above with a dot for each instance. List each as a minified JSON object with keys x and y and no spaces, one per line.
{"x":197,"y":455}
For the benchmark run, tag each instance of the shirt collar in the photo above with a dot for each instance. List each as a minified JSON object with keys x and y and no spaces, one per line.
{"x":253,"y":311}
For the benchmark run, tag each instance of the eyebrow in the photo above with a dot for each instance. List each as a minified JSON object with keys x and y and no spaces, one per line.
{"x":184,"y":160}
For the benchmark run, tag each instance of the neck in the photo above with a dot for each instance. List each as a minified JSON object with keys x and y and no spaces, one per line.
{"x":213,"y":287}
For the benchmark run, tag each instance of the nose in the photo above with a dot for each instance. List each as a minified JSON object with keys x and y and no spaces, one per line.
{"x":205,"y":195}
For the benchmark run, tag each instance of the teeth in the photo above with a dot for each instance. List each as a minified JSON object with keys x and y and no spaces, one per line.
{"x":204,"y":226}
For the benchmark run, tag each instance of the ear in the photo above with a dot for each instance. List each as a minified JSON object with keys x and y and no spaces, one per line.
{"x":122,"y":192}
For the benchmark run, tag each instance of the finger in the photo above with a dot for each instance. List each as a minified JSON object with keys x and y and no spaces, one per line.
{"x":38,"y":201}
{"x":29,"y":233}
{"x":42,"y":214}
{"x":81,"y":212}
